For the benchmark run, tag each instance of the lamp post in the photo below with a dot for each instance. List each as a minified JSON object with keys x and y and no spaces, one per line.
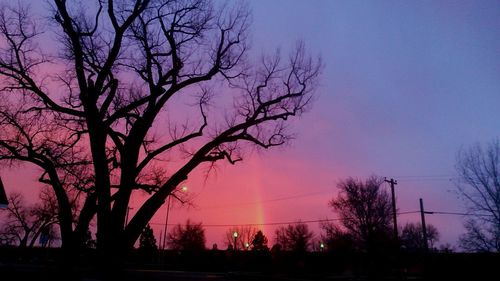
{"x":166,"y":223}
{"x":235,"y":235}
{"x":183,"y":189}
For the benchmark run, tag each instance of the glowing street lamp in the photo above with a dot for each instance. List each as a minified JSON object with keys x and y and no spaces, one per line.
{"x":235,"y":235}
{"x":321,"y":246}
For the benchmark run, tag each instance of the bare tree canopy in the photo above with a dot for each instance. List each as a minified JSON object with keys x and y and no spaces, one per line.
{"x":134,"y":96}
{"x":294,"y":237}
{"x":336,"y":239}
{"x":478,"y":168}
{"x":23,"y":224}
{"x":365,"y":211}
{"x":245,"y":235}
{"x":412,"y":238}
{"x":190,"y":237}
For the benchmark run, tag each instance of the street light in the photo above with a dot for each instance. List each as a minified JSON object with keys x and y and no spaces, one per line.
{"x":321,"y":246}
{"x":235,"y":235}
{"x":183,"y":189}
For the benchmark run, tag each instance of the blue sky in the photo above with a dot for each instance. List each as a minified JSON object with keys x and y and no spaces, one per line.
{"x":406,"y":85}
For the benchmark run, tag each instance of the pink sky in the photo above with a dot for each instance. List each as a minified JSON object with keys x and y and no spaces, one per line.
{"x":406,"y":85}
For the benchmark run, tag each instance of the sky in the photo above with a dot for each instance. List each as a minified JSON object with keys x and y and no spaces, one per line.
{"x":405,"y":85}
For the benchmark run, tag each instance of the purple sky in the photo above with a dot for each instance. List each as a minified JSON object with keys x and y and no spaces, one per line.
{"x":405,"y":85}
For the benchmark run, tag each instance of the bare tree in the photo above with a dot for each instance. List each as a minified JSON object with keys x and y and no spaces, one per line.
{"x":24,"y":224}
{"x":190,"y":237}
{"x":102,"y":114}
{"x":294,"y":237}
{"x":412,"y":237}
{"x":337,"y":240}
{"x":245,"y":235}
{"x":365,"y":211}
{"x":478,"y":168}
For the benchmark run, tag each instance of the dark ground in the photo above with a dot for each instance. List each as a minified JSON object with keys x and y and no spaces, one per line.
{"x":45,"y":264}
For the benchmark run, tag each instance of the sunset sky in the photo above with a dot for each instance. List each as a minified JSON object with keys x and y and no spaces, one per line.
{"x":405,"y":85}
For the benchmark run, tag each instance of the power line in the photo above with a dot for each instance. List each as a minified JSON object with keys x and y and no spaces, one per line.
{"x":426,"y":176}
{"x":323,"y":220}
{"x":408,"y":212}
{"x":428,"y":179}
{"x":438,"y":177}
{"x":406,"y":178}
{"x":278,"y":223}
{"x":267,"y":201}
{"x":263,"y":224}
{"x":459,"y":214}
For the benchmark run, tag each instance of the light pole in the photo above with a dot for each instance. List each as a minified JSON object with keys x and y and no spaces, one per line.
{"x":235,"y":235}
{"x":166,"y":223}
{"x":183,"y":189}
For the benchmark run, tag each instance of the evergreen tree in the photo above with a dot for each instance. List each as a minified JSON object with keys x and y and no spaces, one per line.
{"x":147,"y":240}
{"x":259,"y":242}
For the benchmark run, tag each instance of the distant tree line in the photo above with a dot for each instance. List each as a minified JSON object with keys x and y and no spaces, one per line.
{"x":364,"y":226}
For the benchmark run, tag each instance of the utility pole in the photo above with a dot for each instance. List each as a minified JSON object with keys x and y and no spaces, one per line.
{"x":169,"y":199}
{"x":166,"y":223}
{"x":161,"y":236}
{"x":394,"y":215}
{"x":424,"y":227}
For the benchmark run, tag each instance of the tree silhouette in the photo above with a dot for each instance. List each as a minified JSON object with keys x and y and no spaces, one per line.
{"x":244,"y":239}
{"x":478,"y":169}
{"x":365,"y":212}
{"x":294,"y":237}
{"x":134,"y":96}
{"x":147,"y":240}
{"x":191,"y":237}
{"x":338,"y":240}
{"x":24,"y":224}
{"x":88,"y":242}
{"x":259,"y":242}
{"x":147,"y":244}
{"x":412,"y":236}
